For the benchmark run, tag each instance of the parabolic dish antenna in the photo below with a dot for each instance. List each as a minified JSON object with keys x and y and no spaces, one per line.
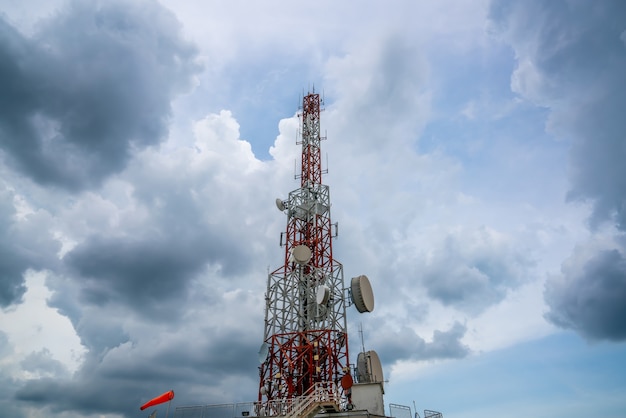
{"x":301,"y":254}
{"x":362,"y":294}
{"x":346,"y":381}
{"x":280,"y":205}
{"x":323,"y":294}
{"x":368,"y":368}
{"x":263,"y":352}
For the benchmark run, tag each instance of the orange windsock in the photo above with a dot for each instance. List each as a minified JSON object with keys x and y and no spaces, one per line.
{"x":167,"y":396}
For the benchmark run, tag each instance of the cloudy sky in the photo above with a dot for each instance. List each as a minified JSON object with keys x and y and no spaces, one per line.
{"x":476,"y":166}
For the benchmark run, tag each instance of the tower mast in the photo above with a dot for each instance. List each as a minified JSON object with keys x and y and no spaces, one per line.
{"x":305,"y":339}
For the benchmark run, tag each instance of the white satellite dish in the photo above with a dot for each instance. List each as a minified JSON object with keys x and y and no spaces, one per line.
{"x":301,"y":254}
{"x":263,"y":352}
{"x":362,"y":294}
{"x":368,"y":368}
{"x":322,"y":295}
{"x":280,"y":204}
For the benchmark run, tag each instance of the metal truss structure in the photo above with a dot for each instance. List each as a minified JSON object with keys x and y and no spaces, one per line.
{"x":305,"y":339}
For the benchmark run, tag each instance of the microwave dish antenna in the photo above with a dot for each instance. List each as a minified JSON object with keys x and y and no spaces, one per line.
{"x":322,"y":295}
{"x":362,"y":294}
{"x":264,"y":350}
{"x":369,"y":368}
{"x":301,"y":254}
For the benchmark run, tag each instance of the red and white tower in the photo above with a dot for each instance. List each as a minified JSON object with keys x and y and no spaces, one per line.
{"x":305,"y":340}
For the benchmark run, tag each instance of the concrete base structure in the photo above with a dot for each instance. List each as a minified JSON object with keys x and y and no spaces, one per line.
{"x":369,"y":397}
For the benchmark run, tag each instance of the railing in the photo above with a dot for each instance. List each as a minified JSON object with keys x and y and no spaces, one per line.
{"x":230,"y":410}
{"x":402,"y":411}
{"x":323,"y":394}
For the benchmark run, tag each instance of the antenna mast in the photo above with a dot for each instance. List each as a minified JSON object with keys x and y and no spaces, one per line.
{"x":305,"y":340}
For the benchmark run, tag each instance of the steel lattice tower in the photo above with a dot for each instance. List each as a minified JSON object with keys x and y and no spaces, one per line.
{"x":305,"y":340}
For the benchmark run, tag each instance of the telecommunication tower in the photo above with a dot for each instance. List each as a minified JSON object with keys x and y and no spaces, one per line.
{"x":305,"y":340}
{"x":305,"y":371}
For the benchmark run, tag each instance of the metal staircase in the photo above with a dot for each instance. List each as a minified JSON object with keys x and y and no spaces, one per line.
{"x":322,"y":396}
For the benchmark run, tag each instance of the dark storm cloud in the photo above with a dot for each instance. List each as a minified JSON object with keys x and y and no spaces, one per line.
{"x":219,"y":361}
{"x":592,"y":300}
{"x":147,"y":300}
{"x":578,"y":61}
{"x":446,"y":344}
{"x":151,"y":279}
{"x":5,"y":347}
{"x":56,"y":395}
{"x":134,"y":271}
{"x":405,"y":344}
{"x":572,"y":59}
{"x":151,"y":272}
{"x":8,"y":384}
{"x":12,"y":262}
{"x":10,"y":408}
{"x":152,"y":288}
{"x":94,"y":82}
{"x":25,"y":244}
{"x":473,"y":271}
{"x":43,"y":364}
{"x":148,"y":262}
{"x":98,"y":331}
